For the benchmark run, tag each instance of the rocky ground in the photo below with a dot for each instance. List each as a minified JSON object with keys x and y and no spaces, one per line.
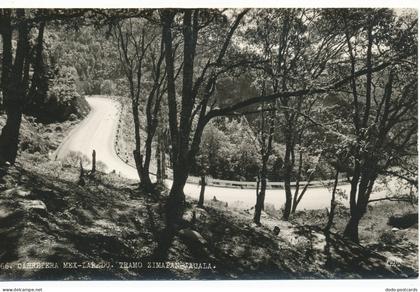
{"x":52,"y":227}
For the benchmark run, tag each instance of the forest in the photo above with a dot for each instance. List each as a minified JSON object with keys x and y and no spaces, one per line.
{"x":272,"y":102}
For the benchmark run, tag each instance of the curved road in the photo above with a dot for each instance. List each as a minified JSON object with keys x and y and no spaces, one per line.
{"x":98,"y":130}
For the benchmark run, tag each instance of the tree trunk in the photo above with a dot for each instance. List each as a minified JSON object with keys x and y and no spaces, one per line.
{"x":14,"y":86}
{"x":159,"y":176}
{"x":257,"y":190}
{"x":180,"y":132}
{"x":163,"y":155}
{"x":266,"y":149}
{"x":287,"y":184}
{"x":167,"y":18}
{"x":363,"y":180}
{"x":202,"y":190}
{"x":259,"y":206}
{"x":352,"y":228}
{"x":138,"y":159}
{"x":145,"y":181}
{"x":302,"y":193}
{"x":39,"y":82}
{"x":297,"y":185}
{"x":288,"y":168}
{"x":9,"y":137}
{"x":176,"y":200}
{"x":333,"y":204}
{"x":288,"y":203}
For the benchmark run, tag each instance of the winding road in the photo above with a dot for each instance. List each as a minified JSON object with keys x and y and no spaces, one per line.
{"x":98,"y":131}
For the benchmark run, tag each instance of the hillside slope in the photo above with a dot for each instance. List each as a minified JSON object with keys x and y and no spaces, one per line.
{"x":53,"y":228}
{"x":107,"y":226}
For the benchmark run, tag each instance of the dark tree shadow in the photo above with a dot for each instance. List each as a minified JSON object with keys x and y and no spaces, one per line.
{"x":345,"y":257}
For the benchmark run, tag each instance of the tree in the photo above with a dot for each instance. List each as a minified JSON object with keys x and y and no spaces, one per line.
{"x":16,"y":66}
{"x":141,"y":54}
{"x":261,"y":124}
{"x":39,"y":86}
{"x":15,"y":79}
{"x":187,"y":119}
{"x":160,"y":156}
{"x":384,"y":123}
{"x":265,"y":142}
{"x":203,"y":164}
{"x":336,"y":148}
{"x":295,"y":56}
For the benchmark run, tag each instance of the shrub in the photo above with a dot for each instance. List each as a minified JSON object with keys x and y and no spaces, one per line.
{"x":73,"y":159}
{"x":101,"y":166}
{"x":390,"y":237}
{"x":108,"y":87}
{"x":403,"y":221}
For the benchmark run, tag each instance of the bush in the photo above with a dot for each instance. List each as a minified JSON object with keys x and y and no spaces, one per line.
{"x":390,"y":237}
{"x":100,"y":166}
{"x":403,"y":221}
{"x":73,"y":159}
{"x":32,"y":145}
{"x":227,"y":152}
{"x":108,"y":87}
{"x":62,"y":99}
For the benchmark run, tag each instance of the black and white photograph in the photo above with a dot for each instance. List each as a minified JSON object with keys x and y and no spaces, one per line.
{"x":183,"y":143}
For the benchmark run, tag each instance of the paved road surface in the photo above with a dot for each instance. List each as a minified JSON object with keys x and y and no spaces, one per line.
{"x":98,"y":131}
